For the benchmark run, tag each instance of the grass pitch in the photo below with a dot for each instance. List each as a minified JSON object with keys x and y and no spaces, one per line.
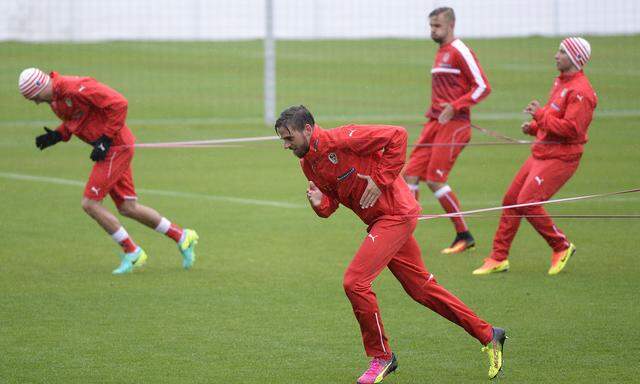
{"x":264,"y":303}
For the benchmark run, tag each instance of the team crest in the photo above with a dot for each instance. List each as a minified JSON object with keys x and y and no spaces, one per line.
{"x":68,"y":102}
{"x":333,"y":158}
{"x":446,"y":57}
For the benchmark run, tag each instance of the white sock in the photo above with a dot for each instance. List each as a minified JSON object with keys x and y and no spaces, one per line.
{"x":163,"y":226}
{"x":442,"y":191}
{"x":413,"y":187}
{"x":120,"y":235}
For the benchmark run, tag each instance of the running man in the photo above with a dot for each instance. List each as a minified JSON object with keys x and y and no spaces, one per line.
{"x":96,"y":114}
{"x":560,"y":128}
{"x":458,"y":83}
{"x":359,"y":166}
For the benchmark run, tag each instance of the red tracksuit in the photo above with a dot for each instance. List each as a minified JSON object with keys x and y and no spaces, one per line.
{"x":564,"y":120}
{"x":89,"y":109}
{"x":456,"y":78}
{"x":334,"y":159}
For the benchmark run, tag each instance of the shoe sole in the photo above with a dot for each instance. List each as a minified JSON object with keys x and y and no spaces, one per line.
{"x":506,"y":269}
{"x":451,"y":251}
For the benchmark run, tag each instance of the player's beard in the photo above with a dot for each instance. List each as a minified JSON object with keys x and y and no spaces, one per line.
{"x":437,"y":39}
{"x":302,"y":149}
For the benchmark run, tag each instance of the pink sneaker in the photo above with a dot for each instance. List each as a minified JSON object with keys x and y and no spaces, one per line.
{"x":378,"y":369}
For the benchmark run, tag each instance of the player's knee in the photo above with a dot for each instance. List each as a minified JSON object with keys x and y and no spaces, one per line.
{"x":412,"y":180}
{"x":352,"y":285}
{"x":509,"y":199}
{"x":127,"y":209}
{"x":439,"y":189}
{"x":88,"y":205}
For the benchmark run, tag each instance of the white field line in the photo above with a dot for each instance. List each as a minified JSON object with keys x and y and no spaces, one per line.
{"x":188,"y":195}
{"x":428,"y":206}
{"x":182,"y":121}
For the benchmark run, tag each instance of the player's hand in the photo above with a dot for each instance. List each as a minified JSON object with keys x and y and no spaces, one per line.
{"x":526,"y":128}
{"x":532,"y":108}
{"x":371,"y":193}
{"x":100,"y":148}
{"x":48,"y":139}
{"x":314,"y":194}
{"x":446,"y":114}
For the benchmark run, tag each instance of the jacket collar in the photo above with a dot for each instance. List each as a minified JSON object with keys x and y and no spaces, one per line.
{"x":316,"y":143}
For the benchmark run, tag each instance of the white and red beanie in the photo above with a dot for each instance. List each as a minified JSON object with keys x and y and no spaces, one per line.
{"x":32,"y":81}
{"x":578,"y":49}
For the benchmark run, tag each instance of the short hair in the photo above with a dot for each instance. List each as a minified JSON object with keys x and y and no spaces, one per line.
{"x":448,"y":12}
{"x":295,"y":117}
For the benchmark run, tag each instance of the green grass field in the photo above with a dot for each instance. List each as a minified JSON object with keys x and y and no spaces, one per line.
{"x":264,"y":303}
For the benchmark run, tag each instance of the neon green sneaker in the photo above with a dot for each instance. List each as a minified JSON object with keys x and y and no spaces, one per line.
{"x":494,"y":351}
{"x":186,"y":246}
{"x":136,"y":258}
{"x":559,"y":259}
{"x":491,"y":266}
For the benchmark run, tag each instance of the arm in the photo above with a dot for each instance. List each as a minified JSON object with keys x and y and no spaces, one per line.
{"x":575,"y":121}
{"x":473,"y":72}
{"x":392,"y":140}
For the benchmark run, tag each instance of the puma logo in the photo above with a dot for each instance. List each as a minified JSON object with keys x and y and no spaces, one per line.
{"x":539,"y":180}
{"x":351,"y":131}
{"x":81,"y":88}
{"x":579,"y":97}
{"x":440,"y":172}
{"x":95,"y":190}
{"x":373,"y":238}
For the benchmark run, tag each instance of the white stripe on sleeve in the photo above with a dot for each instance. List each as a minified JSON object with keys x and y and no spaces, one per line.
{"x":473,"y":66}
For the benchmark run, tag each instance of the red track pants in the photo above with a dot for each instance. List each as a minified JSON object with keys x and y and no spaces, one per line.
{"x":390,"y":243}
{"x":537,"y":180}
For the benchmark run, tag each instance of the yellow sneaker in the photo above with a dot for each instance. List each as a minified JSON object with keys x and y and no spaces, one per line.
{"x":491,"y":266}
{"x":560,"y":259}
{"x":130,"y":260}
{"x":186,"y":248}
{"x":494,"y":351}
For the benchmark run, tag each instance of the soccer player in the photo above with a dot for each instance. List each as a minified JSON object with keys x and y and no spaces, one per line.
{"x":359,"y":166}
{"x":96,"y":114}
{"x":458,"y":82}
{"x":560,"y":128}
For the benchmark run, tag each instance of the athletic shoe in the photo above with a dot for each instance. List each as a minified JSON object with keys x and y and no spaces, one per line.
{"x":560,"y":259}
{"x":461,"y":243}
{"x":129,"y":260}
{"x":186,"y":246}
{"x":494,"y":351}
{"x":378,"y":369}
{"x":491,"y":266}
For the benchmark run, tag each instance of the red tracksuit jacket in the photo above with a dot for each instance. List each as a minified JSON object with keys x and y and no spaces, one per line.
{"x":89,"y":109}
{"x":458,"y":79}
{"x":335,"y":158}
{"x":564,"y":119}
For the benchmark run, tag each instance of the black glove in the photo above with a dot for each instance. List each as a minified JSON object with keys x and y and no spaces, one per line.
{"x":48,"y":139}
{"x":100,"y":148}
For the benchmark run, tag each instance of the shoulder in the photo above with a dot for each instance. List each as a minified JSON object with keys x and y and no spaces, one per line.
{"x":460,"y":48}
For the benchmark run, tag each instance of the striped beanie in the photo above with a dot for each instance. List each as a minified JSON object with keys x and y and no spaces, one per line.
{"x":32,"y":81}
{"x":578,"y":49}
